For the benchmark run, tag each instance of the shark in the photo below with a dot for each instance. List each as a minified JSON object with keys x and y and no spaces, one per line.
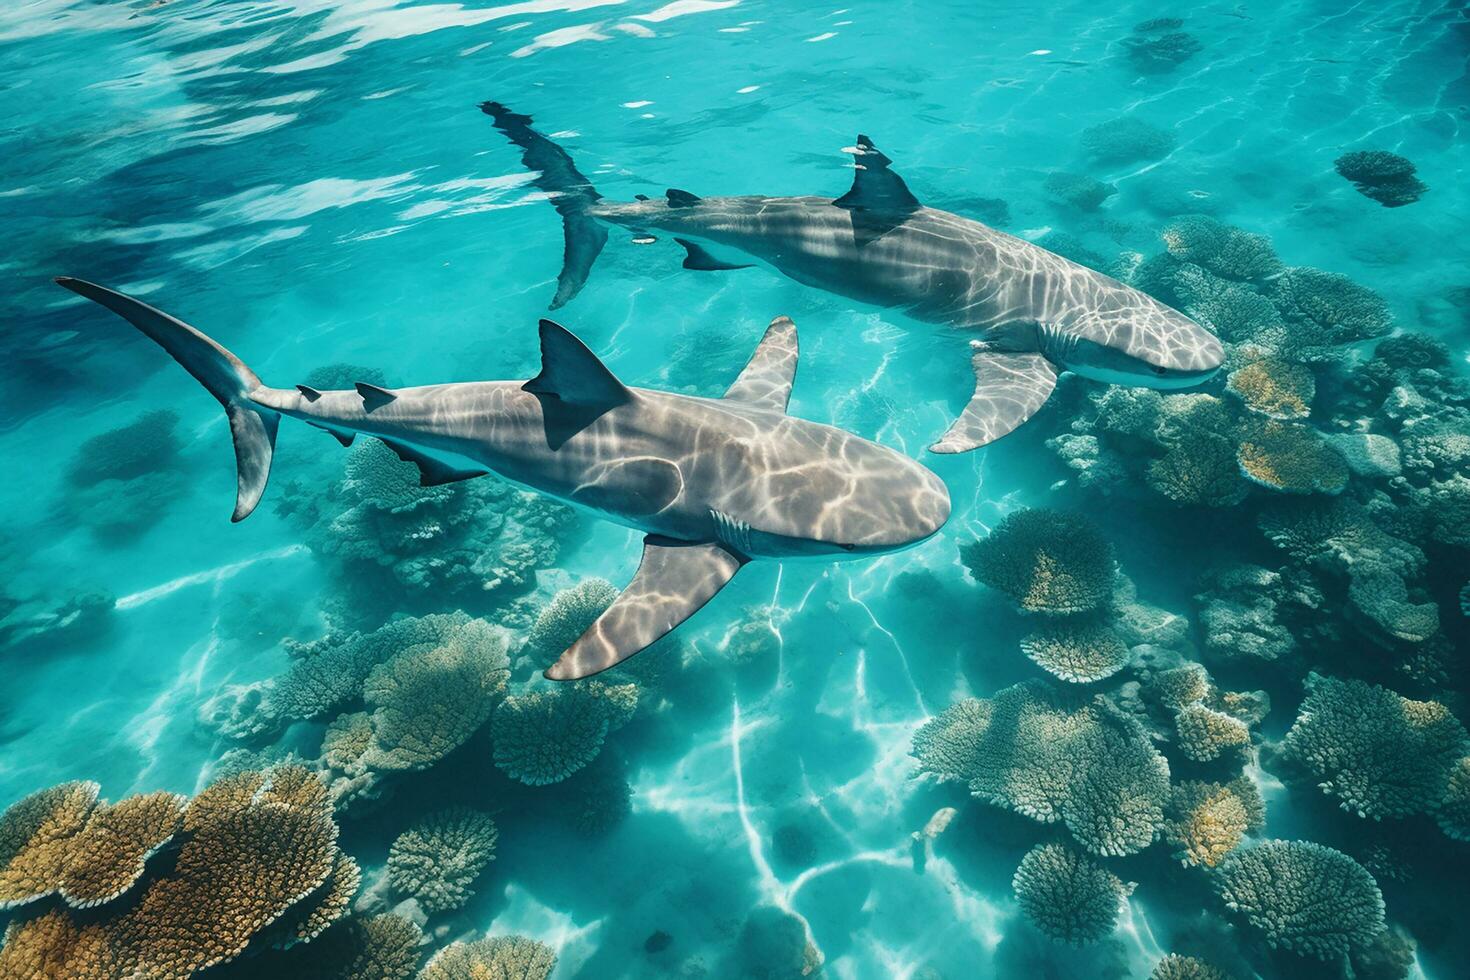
{"x":712,"y":483}
{"x":1031,"y":314}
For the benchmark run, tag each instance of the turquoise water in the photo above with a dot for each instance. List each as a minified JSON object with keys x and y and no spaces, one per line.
{"x":309,"y":182}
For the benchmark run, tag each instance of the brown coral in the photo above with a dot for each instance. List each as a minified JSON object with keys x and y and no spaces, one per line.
{"x":1291,"y":458}
{"x":109,"y":855}
{"x":1275,"y":388}
{"x":36,"y":838}
{"x":499,"y":958}
{"x":1206,"y":821}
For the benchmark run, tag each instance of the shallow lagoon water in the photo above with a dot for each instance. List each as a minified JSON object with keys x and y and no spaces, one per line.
{"x":311,"y":183}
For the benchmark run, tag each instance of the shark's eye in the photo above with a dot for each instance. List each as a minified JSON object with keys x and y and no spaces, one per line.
{"x":849,"y":547}
{"x":1160,"y":371}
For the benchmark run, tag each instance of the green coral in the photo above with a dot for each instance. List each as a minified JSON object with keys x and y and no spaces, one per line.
{"x":1081,"y":649}
{"x":498,"y":958}
{"x":1068,"y":896}
{"x":438,"y":858}
{"x":1046,"y":561}
{"x":1125,"y":140}
{"x":1380,"y":754}
{"x":1200,"y":471}
{"x":948,"y":744}
{"x":1453,"y":810}
{"x":1302,"y":897}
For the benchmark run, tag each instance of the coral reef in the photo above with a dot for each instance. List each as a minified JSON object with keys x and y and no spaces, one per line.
{"x":1126,"y":139}
{"x":1207,"y":821}
{"x":1045,"y":561}
{"x":1205,"y":733}
{"x":1079,"y":649}
{"x":545,"y":736}
{"x":143,"y":446}
{"x":1382,"y":176}
{"x":510,"y":957}
{"x":438,"y":858}
{"x":36,"y":839}
{"x":1080,"y":191}
{"x":1221,"y":249}
{"x":1291,"y":458}
{"x":1380,"y":754}
{"x":1274,"y":388}
{"x":1053,"y":756}
{"x":1176,"y":967}
{"x":1069,"y":897}
{"x":1302,"y":897}
{"x":1158,"y":46}
{"x":258,"y":859}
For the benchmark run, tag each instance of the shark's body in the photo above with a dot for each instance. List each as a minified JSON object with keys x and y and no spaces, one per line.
{"x":1032,"y":312}
{"x":714,"y":483}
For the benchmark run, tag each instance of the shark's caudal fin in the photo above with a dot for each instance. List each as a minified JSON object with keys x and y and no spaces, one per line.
{"x":674,"y":581}
{"x":252,"y":428}
{"x":570,"y":193}
{"x":1009,"y":388}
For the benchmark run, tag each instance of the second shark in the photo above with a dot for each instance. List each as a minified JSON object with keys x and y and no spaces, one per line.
{"x":1035,"y":313}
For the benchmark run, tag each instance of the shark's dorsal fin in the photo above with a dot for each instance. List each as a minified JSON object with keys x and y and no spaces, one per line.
{"x":680,"y":199}
{"x":572,"y":374}
{"x":1009,"y":388}
{"x":432,"y":472}
{"x":874,"y":186}
{"x":674,"y":580}
{"x":767,"y":378}
{"x":373,"y":397}
{"x":698,"y":258}
{"x":308,"y":392}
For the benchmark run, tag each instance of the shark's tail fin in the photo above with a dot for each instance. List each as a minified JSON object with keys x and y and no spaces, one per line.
{"x":252,"y":427}
{"x":570,"y":193}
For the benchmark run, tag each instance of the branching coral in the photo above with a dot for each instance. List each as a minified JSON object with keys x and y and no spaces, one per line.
{"x":1206,"y":821}
{"x":1275,"y":388}
{"x":498,"y":958}
{"x":1053,"y":756}
{"x":1221,"y":249}
{"x":1453,"y":810}
{"x":1201,"y":471}
{"x":1382,"y":755}
{"x":1205,"y":734}
{"x":1046,"y":561}
{"x":1291,"y":458}
{"x":1157,"y":46}
{"x":107,"y":857}
{"x":1179,"y":686}
{"x":1382,"y":597}
{"x":1302,"y":897}
{"x":543,"y":737}
{"x":256,"y":848}
{"x":1067,"y":896}
{"x":437,"y":859}
{"x":1382,"y":176}
{"x":428,"y":699}
{"x":146,"y":444}
{"x":1340,"y":309}
{"x":1176,"y":967}
{"x":1081,"y":649}
{"x":1079,"y":190}
{"x":568,"y":615}
{"x":1125,"y":140}
{"x":1338,"y":536}
{"x":948,"y":744}
{"x":36,"y":838}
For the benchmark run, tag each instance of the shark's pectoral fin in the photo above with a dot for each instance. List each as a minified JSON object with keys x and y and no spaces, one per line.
{"x":674,"y":580}
{"x":1009,"y":388}
{"x":432,"y":472}
{"x":767,"y":378}
{"x":874,"y":186}
{"x":699,"y":259}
